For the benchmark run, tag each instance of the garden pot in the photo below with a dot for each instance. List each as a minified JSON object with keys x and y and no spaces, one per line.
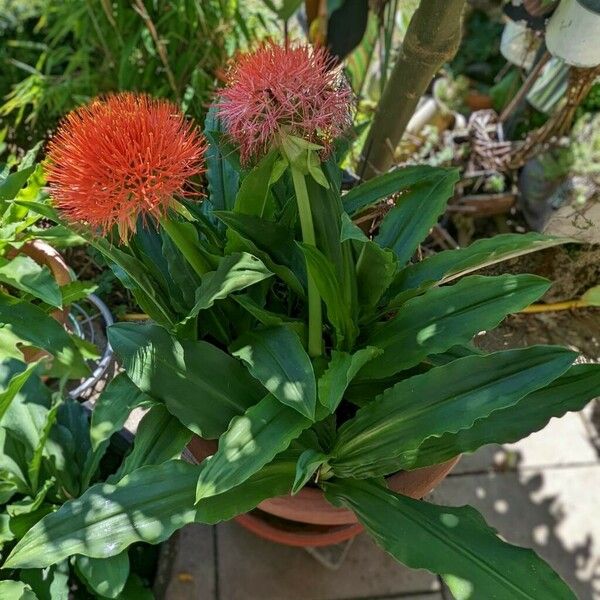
{"x":45,"y":255}
{"x":519,"y":44}
{"x":307,"y":519}
{"x":573,"y":32}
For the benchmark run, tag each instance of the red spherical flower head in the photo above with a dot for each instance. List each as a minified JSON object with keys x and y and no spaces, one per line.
{"x":122,"y":157}
{"x":292,"y":89}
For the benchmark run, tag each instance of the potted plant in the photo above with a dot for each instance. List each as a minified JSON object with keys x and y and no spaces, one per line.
{"x":36,"y":285}
{"x":50,"y":452}
{"x":318,"y":357}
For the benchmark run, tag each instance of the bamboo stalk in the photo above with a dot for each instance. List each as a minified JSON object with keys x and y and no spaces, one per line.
{"x":432,"y":38}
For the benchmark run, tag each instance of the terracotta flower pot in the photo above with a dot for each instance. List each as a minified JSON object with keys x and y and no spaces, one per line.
{"x":45,"y":255}
{"x":307,"y":519}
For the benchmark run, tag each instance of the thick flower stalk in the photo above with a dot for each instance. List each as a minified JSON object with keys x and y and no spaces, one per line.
{"x":290,"y":98}
{"x":121,"y":158}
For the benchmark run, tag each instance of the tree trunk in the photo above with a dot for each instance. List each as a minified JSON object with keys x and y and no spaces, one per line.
{"x":432,"y":38}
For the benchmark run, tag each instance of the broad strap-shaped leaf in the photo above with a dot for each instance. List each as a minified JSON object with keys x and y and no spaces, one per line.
{"x":450,"y":264}
{"x":375,"y":269}
{"x":339,"y":312}
{"x":23,"y":273}
{"x":15,"y":384}
{"x":12,"y":183}
{"x":109,"y":415}
{"x":135,"y":277}
{"x":48,"y":584}
{"x":251,"y":442}
{"x":235,"y":272}
{"x":570,"y":392}
{"x":201,"y":385}
{"x":415,"y":213}
{"x":327,"y":210}
{"x":16,"y":590}
{"x":113,"y":406}
{"x":106,"y":576}
{"x":77,"y":290}
{"x":368,"y":193}
{"x":276,"y":357}
{"x":146,"y":506}
{"x":273,"y":243}
{"x":254,"y":196}
{"x":383,"y":436}
{"x":446,"y":317}
{"x":223,"y":179}
{"x":453,"y":542}
{"x":341,"y":370}
{"x":160,"y":437}
{"x":30,"y":323}
{"x":308,"y":463}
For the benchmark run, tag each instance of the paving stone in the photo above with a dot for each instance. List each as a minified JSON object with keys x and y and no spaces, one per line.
{"x":563,"y":441}
{"x":552,"y":510}
{"x":481,"y":461}
{"x":250,"y":568}
{"x":187,"y":566}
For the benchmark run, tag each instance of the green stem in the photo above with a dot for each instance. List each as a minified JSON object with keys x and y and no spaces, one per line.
{"x":315,"y":316}
{"x":189,"y":250}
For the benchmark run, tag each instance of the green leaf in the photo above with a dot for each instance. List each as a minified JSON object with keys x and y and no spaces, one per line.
{"x":340,"y":372}
{"x":308,"y":463}
{"x":327,"y":210}
{"x":77,"y":290}
{"x":201,"y":385}
{"x":235,"y":272}
{"x":146,"y":506}
{"x":592,"y":296}
{"x":272,"y":243}
{"x":11,"y":185}
{"x":136,"y":589}
{"x":351,"y":231}
{"x":35,"y":464}
{"x":251,"y":441}
{"x":383,"y":186}
{"x":16,"y":590}
{"x":330,"y":289}
{"x":106,"y":576}
{"x":160,"y":437}
{"x":254,"y":197}
{"x":28,"y":504}
{"x":31,"y":323}
{"x":278,"y":360}
{"x":570,"y":392}
{"x":384,"y":436}
{"x":136,"y":278}
{"x":22,"y":423}
{"x":375,"y":270}
{"x":113,"y":406}
{"x":415,"y":213}
{"x":15,"y":384}
{"x":223,"y":179}
{"x":110,"y":412}
{"x":454,"y":542}
{"x":451,"y":264}
{"x":23,"y":273}
{"x":48,"y":584}
{"x":447,"y":316}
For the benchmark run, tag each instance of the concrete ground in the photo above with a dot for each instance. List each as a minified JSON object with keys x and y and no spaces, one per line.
{"x":543,"y":492}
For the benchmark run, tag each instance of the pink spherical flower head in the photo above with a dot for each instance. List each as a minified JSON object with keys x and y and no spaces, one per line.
{"x":291,"y":89}
{"x":122,"y":157}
